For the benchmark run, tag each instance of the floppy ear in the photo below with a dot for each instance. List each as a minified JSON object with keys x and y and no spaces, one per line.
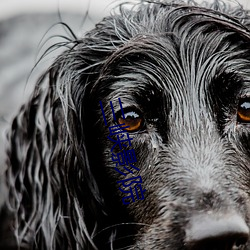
{"x":52,"y":190}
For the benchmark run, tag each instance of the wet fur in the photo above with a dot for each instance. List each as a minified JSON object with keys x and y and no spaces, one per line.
{"x":184,"y":68}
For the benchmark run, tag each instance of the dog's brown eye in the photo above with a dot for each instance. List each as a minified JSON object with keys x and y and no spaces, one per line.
{"x":243,"y":113}
{"x":133,"y":120}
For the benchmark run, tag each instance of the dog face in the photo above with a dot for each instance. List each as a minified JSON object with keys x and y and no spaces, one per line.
{"x":182,"y":75}
{"x":184,"y":86}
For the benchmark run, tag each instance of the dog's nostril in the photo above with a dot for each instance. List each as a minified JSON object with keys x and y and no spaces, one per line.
{"x":240,"y":241}
{"x":223,"y":242}
{"x":213,"y":232}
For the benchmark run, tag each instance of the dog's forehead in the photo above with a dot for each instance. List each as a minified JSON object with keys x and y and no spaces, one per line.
{"x":185,"y":54}
{"x":192,"y":64}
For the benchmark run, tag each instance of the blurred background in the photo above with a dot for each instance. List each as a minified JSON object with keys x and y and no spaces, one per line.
{"x":25,"y":29}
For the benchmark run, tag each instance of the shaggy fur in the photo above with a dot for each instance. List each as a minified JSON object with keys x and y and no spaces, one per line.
{"x":184,"y":69}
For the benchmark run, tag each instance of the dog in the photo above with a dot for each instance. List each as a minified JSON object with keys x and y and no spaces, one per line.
{"x":174,"y":79}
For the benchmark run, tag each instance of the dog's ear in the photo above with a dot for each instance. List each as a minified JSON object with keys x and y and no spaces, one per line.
{"x":51,"y":186}
{"x":46,"y":171}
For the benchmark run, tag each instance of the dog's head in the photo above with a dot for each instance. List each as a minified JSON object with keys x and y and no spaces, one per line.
{"x":182,"y":74}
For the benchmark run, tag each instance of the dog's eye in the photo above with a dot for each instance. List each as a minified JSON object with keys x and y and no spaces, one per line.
{"x":133,"y":120}
{"x":243,"y":113}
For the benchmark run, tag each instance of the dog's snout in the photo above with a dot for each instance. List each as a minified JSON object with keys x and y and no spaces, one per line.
{"x":223,"y":232}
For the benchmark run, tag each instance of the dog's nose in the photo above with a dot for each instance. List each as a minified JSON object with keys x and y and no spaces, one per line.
{"x":217,"y":232}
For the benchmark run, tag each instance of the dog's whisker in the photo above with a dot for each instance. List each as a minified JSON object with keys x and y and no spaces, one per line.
{"x":120,"y":225}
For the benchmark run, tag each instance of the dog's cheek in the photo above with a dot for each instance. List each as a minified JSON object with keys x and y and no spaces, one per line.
{"x":147,"y":147}
{"x":146,"y":152}
{"x":239,"y":137}
{"x":244,"y":139}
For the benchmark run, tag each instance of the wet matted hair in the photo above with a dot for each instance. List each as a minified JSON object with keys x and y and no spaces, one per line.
{"x":183,"y":70}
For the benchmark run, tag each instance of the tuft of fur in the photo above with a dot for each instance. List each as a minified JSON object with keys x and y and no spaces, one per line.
{"x":184,"y":67}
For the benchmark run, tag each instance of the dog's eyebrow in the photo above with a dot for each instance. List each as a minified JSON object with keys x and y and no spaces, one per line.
{"x":227,"y":82}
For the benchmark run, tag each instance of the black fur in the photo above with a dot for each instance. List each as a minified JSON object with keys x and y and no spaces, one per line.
{"x":184,"y":69}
